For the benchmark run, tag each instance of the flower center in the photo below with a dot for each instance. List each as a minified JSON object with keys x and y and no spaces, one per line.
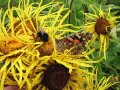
{"x":102,"y":26}
{"x":56,"y":77}
{"x":10,"y":45}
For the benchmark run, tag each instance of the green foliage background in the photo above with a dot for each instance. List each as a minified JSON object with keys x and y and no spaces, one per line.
{"x":110,"y":66}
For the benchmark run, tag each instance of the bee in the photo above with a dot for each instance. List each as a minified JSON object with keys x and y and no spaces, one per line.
{"x":42,"y":35}
{"x":47,"y":47}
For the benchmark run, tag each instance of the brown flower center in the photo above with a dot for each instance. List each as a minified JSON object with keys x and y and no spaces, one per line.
{"x":56,"y":77}
{"x":102,"y":26}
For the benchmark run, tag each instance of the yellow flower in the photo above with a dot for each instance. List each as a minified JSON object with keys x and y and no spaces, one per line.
{"x":24,"y":22}
{"x":23,"y":65}
{"x":100,"y":24}
{"x":103,"y":84}
{"x":15,"y":64}
{"x":58,"y":71}
{"x":19,"y":48}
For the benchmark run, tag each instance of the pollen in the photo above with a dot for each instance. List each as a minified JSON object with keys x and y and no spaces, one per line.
{"x":10,"y":45}
{"x":102,"y":26}
{"x":56,"y":77}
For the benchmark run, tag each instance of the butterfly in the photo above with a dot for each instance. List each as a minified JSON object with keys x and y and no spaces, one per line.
{"x":75,"y":42}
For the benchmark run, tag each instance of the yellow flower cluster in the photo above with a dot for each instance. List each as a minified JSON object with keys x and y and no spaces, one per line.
{"x":31,"y":63}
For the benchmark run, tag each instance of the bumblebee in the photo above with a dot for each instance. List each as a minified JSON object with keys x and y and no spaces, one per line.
{"x":43,"y":36}
{"x":47,"y":47}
